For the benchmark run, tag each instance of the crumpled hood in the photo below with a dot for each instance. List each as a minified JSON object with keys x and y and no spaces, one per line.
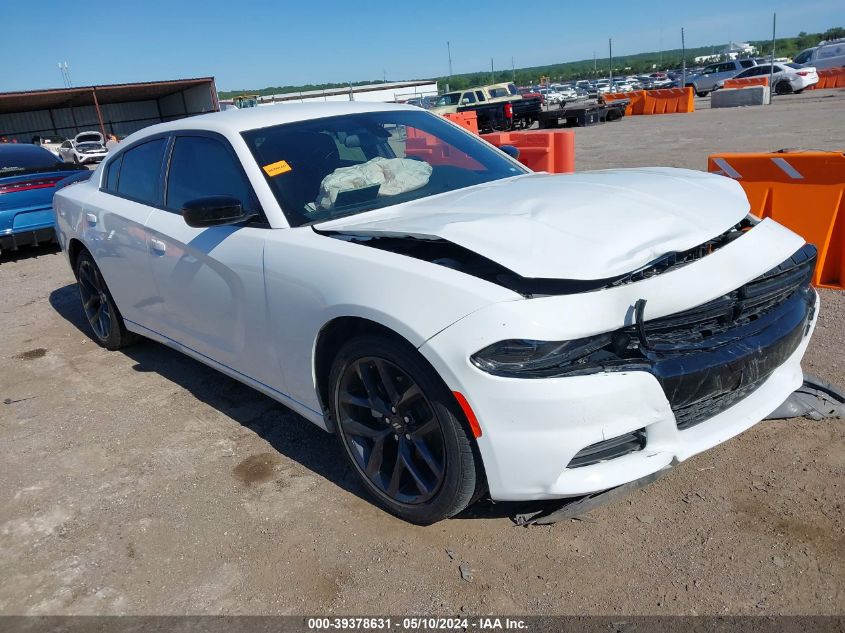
{"x":588,"y":225}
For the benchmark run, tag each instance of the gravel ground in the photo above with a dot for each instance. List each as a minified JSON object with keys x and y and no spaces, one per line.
{"x":145,"y":483}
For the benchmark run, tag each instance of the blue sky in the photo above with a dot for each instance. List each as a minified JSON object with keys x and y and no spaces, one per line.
{"x":251,"y":44}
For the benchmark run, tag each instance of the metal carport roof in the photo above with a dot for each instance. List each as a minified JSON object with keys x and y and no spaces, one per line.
{"x":93,"y":95}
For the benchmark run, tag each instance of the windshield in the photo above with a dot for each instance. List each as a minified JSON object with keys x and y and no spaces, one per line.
{"x":344,"y":165}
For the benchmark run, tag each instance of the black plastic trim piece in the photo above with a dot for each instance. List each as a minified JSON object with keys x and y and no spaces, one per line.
{"x":609,"y":449}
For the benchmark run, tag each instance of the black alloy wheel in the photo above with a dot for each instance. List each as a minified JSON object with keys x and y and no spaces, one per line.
{"x":401,"y":430}
{"x":100,"y":310}
{"x":391,"y":430}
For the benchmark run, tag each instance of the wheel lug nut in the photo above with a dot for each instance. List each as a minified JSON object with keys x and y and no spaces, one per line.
{"x":407,"y":419}
{"x":393,"y":409}
{"x":407,"y":436}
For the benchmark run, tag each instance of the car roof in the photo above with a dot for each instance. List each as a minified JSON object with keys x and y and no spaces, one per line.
{"x":236,"y":121}
{"x":9,"y":150}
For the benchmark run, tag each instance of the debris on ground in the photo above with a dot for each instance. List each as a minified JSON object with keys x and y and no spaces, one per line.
{"x":466,"y":571}
{"x":816,"y":399}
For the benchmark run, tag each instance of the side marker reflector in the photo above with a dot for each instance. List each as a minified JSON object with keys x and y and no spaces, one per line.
{"x":468,"y":412}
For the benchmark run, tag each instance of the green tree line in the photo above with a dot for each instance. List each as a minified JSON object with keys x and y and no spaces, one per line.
{"x":585,"y":68}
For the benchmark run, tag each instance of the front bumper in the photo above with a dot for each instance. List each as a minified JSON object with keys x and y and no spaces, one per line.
{"x":533,"y":428}
{"x":86,"y":159}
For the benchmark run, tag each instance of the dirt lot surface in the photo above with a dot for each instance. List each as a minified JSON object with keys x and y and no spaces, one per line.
{"x":145,"y":483}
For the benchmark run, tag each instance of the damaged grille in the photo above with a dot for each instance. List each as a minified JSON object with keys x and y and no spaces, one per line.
{"x":709,"y":358}
{"x":742,"y":306}
{"x":693,"y":414}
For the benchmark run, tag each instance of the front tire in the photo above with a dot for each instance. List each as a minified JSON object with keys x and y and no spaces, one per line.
{"x":103,"y":316}
{"x":401,"y":430}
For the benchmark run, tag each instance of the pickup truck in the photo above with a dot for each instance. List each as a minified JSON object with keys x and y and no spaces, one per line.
{"x":498,"y":106}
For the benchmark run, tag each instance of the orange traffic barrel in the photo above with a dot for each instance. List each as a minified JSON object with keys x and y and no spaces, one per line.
{"x":804,"y":191}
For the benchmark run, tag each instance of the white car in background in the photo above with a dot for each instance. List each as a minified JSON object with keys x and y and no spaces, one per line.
{"x":787,"y":78}
{"x":566,"y":93}
{"x":84,"y":148}
{"x":460,"y":323}
{"x":551,"y":96}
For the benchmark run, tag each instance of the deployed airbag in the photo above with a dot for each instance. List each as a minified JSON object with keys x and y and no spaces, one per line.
{"x":393,"y":175}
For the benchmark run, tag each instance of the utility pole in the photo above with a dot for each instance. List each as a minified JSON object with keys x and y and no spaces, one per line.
{"x":595,"y":68}
{"x":513,"y":70}
{"x":449,"y":51}
{"x":683,"y":60}
{"x":492,"y":76}
{"x":660,"y":50}
{"x":772,"y":64}
{"x":610,"y":50}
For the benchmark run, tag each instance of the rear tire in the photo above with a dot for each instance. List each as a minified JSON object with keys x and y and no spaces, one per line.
{"x":701,"y":93}
{"x":100,"y":309}
{"x":401,"y":430}
{"x":783,"y":88}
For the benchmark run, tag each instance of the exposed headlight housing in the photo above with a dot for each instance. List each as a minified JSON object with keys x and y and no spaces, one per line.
{"x":521,"y":358}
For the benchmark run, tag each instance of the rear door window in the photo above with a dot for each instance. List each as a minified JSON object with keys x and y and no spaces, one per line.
{"x":140,"y":172}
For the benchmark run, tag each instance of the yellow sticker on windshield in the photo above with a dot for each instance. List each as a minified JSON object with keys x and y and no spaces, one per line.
{"x":274,"y":169}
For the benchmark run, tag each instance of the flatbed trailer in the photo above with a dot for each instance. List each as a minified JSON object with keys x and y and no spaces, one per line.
{"x":581,"y":115}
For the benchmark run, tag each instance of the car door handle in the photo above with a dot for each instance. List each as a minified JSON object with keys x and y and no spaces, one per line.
{"x":92,"y":218}
{"x":159,"y":247}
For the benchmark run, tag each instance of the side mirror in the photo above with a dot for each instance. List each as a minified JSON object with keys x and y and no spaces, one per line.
{"x":214,"y":211}
{"x":510,"y":150}
{"x":464,"y":101}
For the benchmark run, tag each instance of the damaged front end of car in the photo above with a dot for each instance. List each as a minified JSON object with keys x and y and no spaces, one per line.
{"x":705,"y":358}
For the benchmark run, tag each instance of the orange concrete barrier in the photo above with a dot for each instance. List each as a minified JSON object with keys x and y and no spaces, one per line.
{"x":468,"y":120}
{"x":636,"y":100}
{"x":804,"y":191}
{"x":745,"y":82}
{"x":669,"y":101}
{"x":432,"y":150}
{"x":830,"y":78}
{"x":541,"y":150}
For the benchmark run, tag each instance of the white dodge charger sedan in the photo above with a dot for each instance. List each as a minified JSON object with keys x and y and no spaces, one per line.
{"x":461,"y":324}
